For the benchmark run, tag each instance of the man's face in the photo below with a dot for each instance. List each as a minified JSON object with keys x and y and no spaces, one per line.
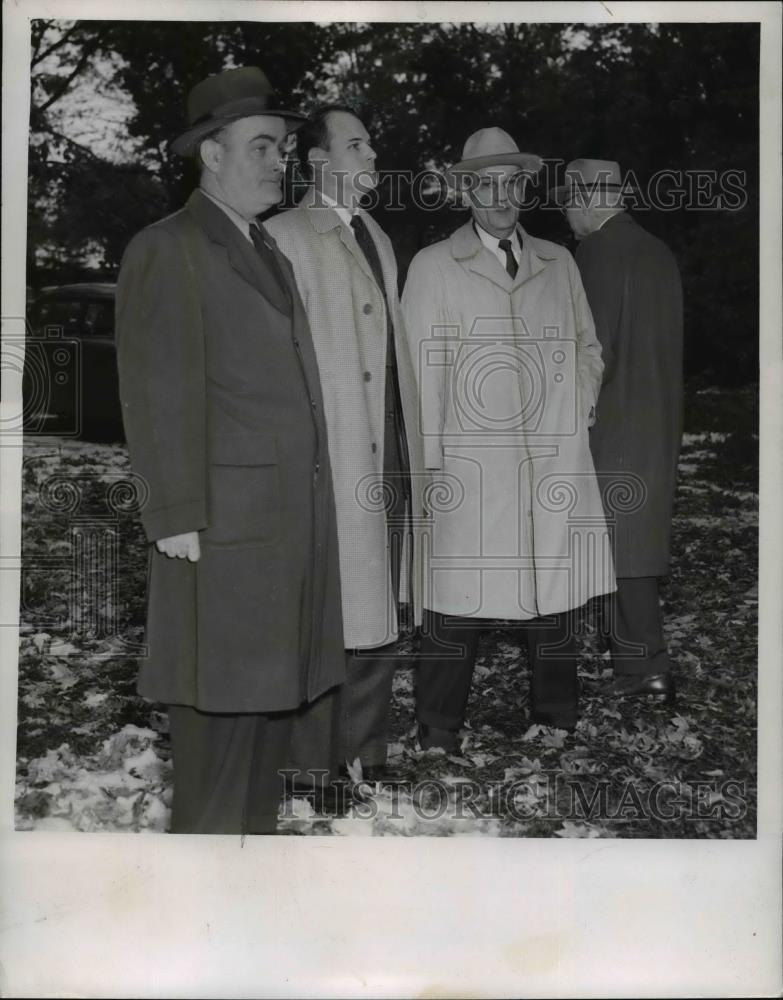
{"x":348,"y":166}
{"x":247,"y":163}
{"x":496,"y":198}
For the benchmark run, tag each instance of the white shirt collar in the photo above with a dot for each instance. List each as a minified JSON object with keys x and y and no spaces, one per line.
{"x":493,"y":242}
{"x":344,"y":213}
{"x":239,"y":221}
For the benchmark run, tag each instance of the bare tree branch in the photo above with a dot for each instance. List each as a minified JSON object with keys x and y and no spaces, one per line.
{"x":86,"y":56}
{"x":46,"y":127}
{"x":38,"y":28}
{"x":40,"y":56}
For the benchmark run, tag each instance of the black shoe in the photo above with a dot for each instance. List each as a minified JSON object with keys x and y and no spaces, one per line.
{"x":567,"y":722}
{"x":430,"y":738}
{"x":659,"y":686}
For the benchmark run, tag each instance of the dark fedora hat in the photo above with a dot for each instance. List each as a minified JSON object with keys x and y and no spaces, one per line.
{"x":593,"y":179}
{"x":224,"y":98}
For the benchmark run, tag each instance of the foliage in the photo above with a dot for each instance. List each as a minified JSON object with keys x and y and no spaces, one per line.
{"x":676,"y":96}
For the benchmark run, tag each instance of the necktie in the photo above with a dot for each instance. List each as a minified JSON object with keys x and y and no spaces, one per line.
{"x":267,"y":255}
{"x":511,"y":265}
{"x":370,"y":251}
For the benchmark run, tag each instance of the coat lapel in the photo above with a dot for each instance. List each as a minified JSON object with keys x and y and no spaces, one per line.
{"x":467,"y":248}
{"x":323,"y":218}
{"x":242,"y":255}
{"x":535,"y":258}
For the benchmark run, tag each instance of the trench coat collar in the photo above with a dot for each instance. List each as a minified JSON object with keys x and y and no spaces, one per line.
{"x":324,"y":218}
{"x":467,"y":248}
{"x":242,"y":255}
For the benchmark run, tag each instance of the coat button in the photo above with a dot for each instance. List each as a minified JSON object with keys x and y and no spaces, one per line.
{"x":312,"y":402}
{"x":367,"y":377}
{"x":374,"y":447}
{"x":367,"y":309}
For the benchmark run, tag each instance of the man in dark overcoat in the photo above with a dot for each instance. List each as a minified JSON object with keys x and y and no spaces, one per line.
{"x":633,"y":286}
{"x":224,"y":418}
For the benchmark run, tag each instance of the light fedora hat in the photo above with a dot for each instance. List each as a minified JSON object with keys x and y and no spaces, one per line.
{"x":224,"y":98}
{"x":591,"y":177}
{"x":491,"y":147}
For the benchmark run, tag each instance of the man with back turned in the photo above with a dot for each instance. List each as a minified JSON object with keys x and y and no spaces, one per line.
{"x":635,"y":294}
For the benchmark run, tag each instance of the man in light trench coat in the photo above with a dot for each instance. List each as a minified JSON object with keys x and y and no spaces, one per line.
{"x":225,"y":422}
{"x":347,"y":275}
{"x":509,"y":369}
{"x":633,"y":286}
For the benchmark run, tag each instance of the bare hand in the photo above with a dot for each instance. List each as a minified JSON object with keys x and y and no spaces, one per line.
{"x":180,"y":546}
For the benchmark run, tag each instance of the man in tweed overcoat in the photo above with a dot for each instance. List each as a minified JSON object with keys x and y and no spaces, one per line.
{"x":347,"y":276}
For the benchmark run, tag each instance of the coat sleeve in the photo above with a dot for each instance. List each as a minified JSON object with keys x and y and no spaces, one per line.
{"x":423,"y":310}
{"x":589,"y":362}
{"x":160,"y":358}
{"x":603,"y":279}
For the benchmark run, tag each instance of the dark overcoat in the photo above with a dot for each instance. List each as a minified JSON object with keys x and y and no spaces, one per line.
{"x":635,"y":294}
{"x":224,"y":418}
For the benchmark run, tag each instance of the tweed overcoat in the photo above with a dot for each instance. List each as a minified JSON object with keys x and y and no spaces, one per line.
{"x":347,"y":316}
{"x":510,"y":369}
{"x":634,"y":290}
{"x":224,"y":419}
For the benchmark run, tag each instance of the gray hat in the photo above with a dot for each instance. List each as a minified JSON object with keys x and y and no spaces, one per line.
{"x":491,"y":147}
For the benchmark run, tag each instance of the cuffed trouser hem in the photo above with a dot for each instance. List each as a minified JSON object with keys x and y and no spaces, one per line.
{"x":632,"y":618}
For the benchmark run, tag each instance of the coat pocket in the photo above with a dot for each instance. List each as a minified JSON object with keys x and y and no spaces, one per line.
{"x":244,"y":491}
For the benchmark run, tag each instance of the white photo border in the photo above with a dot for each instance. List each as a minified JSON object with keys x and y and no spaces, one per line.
{"x":129,"y":915}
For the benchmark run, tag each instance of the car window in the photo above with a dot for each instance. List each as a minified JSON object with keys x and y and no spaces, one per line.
{"x":99,"y":319}
{"x":60,"y":312}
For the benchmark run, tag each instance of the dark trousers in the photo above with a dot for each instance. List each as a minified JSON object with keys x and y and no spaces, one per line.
{"x":226,"y":768}
{"x":315,"y":740}
{"x":347,"y":722}
{"x":633,"y":626}
{"x":448,"y":655}
{"x":366,"y":705}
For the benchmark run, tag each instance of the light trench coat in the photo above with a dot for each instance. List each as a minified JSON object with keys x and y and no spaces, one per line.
{"x":509,"y":373}
{"x":347,"y":317}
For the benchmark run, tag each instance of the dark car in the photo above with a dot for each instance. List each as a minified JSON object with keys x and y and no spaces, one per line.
{"x":70,"y":378}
